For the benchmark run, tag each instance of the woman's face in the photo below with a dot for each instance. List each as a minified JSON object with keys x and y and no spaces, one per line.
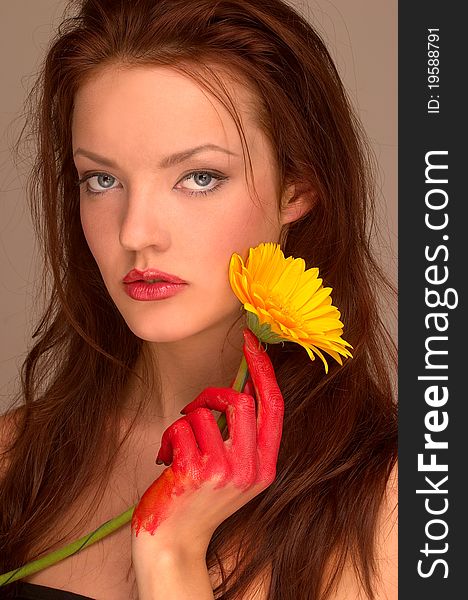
{"x":185,"y":215}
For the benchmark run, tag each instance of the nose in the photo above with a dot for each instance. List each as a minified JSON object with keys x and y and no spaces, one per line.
{"x":143,"y":223}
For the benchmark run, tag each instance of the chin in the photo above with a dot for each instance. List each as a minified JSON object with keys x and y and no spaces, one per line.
{"x":176,"y":321}
{"x":176,"y":330}
{"x":159,"y":332}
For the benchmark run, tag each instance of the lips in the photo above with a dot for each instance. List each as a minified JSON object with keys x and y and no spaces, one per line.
{"x":150,"y":275}
{"x":152,"y":285}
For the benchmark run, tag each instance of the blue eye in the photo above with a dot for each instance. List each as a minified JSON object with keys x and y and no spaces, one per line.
{"x":205,"y":175}
{"x":104,"y":180}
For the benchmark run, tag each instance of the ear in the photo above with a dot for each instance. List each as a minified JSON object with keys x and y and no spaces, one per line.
{"x":297,"y":200}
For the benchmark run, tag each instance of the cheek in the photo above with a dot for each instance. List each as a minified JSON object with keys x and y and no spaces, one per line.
{"x":247,"y":228}
{"x":98,"y":230}
{"x":234,"y":232}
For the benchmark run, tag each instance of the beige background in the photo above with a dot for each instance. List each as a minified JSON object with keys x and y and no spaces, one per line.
{"x":362,"y":38}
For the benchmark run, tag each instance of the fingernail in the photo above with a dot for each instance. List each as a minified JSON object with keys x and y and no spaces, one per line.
{"x":188,"y":408}
{"x":251,"y":340}
{"x":249,"y":388}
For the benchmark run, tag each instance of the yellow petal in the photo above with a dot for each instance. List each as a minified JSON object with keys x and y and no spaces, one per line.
{"x":282,"y":293}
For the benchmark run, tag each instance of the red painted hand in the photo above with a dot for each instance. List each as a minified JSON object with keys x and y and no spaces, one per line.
{"x":209,"y":479}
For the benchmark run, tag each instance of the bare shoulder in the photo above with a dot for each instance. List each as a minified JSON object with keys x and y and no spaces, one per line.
{"x":389,"y":512}
{"x":387,"y":542}
{"x":385,"y":585}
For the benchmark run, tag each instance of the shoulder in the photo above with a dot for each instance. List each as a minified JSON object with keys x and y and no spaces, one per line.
{"x":385,"y":584}
{"x":387,"y":541}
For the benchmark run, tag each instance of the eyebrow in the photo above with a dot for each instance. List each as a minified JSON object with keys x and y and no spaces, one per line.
{"x":166,"y":162}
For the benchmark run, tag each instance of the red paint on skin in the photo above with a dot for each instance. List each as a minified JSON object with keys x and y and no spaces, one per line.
{"x":197,"y":451}
{"x":154,"y":505}
{"x":270,"y":408}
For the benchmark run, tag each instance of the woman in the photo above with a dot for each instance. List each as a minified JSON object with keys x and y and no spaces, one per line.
{"x":129,"y":93}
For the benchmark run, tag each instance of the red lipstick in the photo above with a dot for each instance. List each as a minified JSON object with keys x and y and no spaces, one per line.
{"x":152,"y":284}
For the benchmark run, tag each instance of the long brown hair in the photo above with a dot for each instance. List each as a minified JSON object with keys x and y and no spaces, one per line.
{"x":339,"y":437}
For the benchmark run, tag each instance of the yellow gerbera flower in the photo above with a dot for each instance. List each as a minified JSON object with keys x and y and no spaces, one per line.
{"x":287,"y":303}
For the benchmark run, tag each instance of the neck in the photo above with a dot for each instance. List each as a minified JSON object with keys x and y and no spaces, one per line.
{"x":184,"y":368}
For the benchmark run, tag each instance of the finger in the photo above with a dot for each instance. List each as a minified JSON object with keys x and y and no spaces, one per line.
{"x":179,"y":446}
{"x":207,"y":433}
{"x":240,"y":416}
{"x":218,"y":398}
{"x":241,"y":447}
{"x":249,"y":388}
{"x":270,"y":404}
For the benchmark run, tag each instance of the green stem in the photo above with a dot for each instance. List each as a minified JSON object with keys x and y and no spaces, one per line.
{"x":238,"y":385}
{"x":54,"y":557}
{"x":109,"y":526}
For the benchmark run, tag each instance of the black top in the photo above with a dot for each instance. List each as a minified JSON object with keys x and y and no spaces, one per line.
{"x":23,"y":590}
